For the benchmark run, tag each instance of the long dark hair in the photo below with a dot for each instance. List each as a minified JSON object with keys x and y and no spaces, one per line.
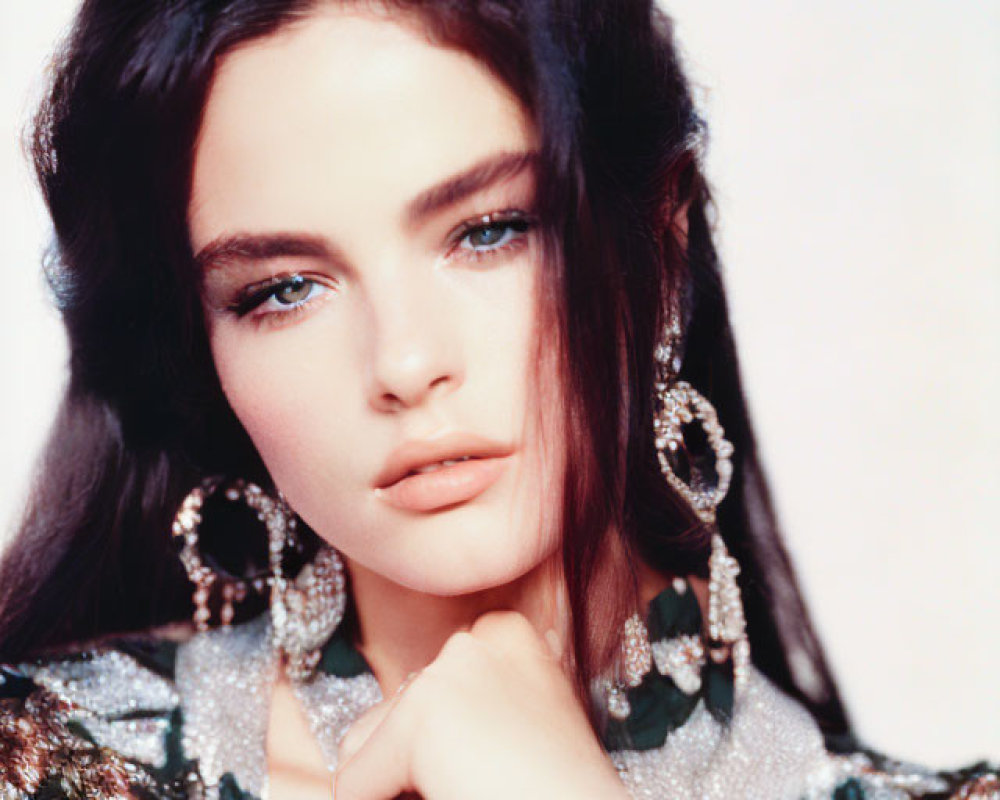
{"x":144,"y":417}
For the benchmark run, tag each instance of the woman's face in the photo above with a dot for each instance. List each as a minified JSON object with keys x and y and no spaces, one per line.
{"x":362,"y":207}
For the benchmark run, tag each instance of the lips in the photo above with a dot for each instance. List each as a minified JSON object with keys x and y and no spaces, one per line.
{"x":414,"y":455}
{"x":436,"y":473}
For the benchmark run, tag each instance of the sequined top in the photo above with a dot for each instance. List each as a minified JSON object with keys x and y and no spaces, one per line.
{"x":148,"y":717}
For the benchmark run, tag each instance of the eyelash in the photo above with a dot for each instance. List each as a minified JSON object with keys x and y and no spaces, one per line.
{"x":512,"y":219}
{"x":253,"y":297}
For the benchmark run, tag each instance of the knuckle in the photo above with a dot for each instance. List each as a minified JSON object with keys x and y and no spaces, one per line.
{"x":458,"y":645}
{"x":462,"y":656}
{"x":419,"y":696}
{"x":502,"y":624}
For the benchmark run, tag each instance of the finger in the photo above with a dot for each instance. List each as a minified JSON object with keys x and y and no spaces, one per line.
{"x":380,"y":765}
{"x":363,"y":726}
{"x":502,"y":628}
{"x":546,"y":624}
{"x":361,"y":729}
{"x":510,"y":636}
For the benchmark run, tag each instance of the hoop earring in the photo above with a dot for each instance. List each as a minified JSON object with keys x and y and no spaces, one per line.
{"x":185,"y":529}
{"x":304,"y":612}
{"x":678,"y":404}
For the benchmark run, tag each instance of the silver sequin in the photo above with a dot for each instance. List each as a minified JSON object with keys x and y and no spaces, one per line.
{"x":766,"y":751}
{"x":682,"y":659}
{"x":107,"y":684}
{"x":332,"y":704}
{"x":772,"y":748}
{"x":224,"y":678}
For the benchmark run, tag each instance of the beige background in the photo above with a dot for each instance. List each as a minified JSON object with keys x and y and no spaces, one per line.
{"x":856,"y":159}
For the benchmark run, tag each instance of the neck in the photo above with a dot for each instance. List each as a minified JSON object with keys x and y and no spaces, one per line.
{"x":402,"y":630}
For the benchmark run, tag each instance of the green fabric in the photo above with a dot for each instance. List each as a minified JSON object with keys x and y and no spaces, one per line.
{"x":658,"y":706}
{"x":849,"y":790}
{"x":341,"y":658}
{"x":175,"y":765}
{"x":14,"y":685}
{"x":229,"y":789}
{"x":159,"y":656}
{"x":671,"y":614}
{"x":718,"y":687}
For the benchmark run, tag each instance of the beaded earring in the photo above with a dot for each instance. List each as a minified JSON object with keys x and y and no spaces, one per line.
{"x":305,"y":611}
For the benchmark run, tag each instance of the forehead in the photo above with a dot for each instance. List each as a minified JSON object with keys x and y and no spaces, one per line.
{"x":341,"y":113}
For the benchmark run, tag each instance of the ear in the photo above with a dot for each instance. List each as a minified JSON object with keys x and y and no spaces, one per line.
{"x":680,"y":187}
{"x":678,"y":225}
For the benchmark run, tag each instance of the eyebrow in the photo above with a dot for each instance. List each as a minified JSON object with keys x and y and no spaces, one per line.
{"x":262,"y":247}
{"x":479,"y":176}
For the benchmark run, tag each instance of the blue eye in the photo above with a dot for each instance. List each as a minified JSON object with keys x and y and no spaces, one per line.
{"x":493,"y":234}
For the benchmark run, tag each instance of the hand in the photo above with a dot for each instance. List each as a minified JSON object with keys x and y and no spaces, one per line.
{"x":493,"y":716}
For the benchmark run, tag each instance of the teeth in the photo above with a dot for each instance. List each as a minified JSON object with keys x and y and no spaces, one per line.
{"x":446,"y":463}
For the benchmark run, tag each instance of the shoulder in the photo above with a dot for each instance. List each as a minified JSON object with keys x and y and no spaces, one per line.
{"x":89,"y":721}
{"x":845,"y":770}
{"x":695,"y":730}
{"x":773,"y":748}
{"x":103,"y":719}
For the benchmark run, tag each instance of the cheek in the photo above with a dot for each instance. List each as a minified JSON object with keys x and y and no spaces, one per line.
{"x":284,"y":393}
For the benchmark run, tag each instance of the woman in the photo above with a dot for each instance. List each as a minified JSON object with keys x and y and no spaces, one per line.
{"x":438,"y":277}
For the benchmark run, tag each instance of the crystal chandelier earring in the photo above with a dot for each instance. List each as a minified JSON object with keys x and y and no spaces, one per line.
{"x":677,"y":405}
{"x":304,"y":612}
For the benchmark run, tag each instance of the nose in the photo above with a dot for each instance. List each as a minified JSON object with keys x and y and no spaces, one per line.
{"x":416,"y":348}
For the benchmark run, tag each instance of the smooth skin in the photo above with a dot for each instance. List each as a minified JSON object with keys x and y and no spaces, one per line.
{"x":352,"y":306}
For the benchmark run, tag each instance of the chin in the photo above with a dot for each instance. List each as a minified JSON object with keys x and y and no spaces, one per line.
{"x":452,"y":571}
